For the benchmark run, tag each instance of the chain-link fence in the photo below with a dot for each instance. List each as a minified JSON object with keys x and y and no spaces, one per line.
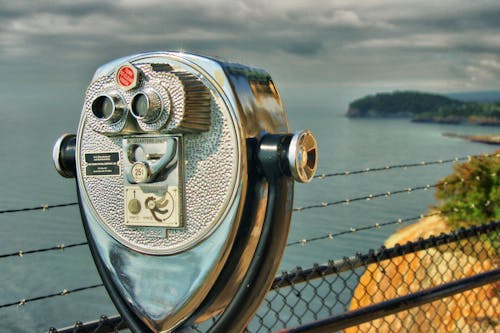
{"x":354,"y":285}
{"x":357,"y":282}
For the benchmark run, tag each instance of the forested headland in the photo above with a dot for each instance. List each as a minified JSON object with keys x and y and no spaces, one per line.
{"x":425,"y":107}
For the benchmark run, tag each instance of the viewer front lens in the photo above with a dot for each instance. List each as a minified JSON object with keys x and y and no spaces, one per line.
{"x":140,"y":105}
{"x":109,"y":107}
{"x":103,"y":107}
{"x":146,"y":106}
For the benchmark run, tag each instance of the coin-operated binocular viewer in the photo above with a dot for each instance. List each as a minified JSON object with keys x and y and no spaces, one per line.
{"x":185,"y":169}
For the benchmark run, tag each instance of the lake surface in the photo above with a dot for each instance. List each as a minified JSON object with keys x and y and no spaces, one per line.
{"x":30,"y":126}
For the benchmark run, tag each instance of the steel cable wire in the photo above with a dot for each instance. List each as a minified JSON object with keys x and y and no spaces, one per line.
{"x":402,"y":166}
{"x":59,"y":247}
{"x":364,"y":228}
{"x":321,"y":176}
{"x":368,"y":197}
{"x":64,"y":292}
{"x":42,"y":207}
{"x":21,"y":253}
{"x":377,"y":225}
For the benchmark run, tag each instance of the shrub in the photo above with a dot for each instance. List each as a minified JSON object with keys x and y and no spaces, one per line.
{"x":471,"y":195}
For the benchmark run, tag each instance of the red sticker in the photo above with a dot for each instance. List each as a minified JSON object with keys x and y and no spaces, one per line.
{"x":125,"y":76}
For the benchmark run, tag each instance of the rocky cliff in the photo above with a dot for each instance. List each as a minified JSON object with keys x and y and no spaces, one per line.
{"x":477,"y":310}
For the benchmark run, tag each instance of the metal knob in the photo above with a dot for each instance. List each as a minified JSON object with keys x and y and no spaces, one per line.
{"x":303,"y":156}
{"x":141,"y":172}
{"x":63,"y":155}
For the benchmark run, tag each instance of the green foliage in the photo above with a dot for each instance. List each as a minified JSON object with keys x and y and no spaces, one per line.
{"x":465,"y":110}
{"x":424,"y":107}
{"x":471,"y":195}
{"x":400,"y":102}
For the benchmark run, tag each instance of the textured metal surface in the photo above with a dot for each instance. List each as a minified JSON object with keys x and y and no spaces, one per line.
{"x":210,"y":170}
{"x":183,"y":95}
{"x":186,"y":102}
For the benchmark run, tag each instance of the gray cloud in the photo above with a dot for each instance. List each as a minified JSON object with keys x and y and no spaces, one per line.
{"x":444,"y":43}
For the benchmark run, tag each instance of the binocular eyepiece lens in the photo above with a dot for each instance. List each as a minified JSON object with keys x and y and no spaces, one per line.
{"x":140,"y":105}
{"x":146,"y":106}
{"x":103,"y":107}
{"x":109,"y":108}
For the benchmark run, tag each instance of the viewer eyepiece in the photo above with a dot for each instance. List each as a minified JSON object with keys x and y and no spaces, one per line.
{"x":109,"y":108}
{"x":146,"y":106}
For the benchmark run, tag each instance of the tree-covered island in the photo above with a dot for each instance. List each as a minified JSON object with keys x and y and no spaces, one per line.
{"x":425,"y":107}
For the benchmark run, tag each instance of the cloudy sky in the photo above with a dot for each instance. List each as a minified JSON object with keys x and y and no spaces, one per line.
{"x":314,"y":47}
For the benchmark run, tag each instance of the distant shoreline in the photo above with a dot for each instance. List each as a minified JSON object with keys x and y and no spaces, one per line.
{"x":493,"y":139}
{"x":423,"y":107}
{"x":454,"y":120}
{"x":449,"y":120}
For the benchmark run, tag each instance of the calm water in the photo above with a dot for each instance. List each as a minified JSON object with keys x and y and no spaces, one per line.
{"x":30,"y":126}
